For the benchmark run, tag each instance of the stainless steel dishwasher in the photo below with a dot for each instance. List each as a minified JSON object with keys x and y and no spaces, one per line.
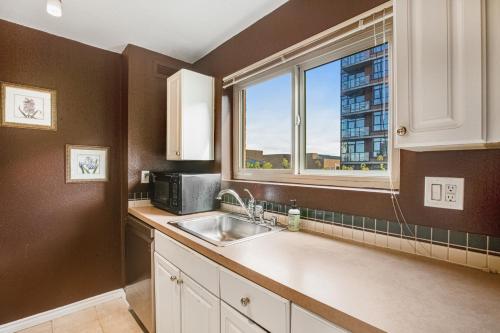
{"x":139,"y":240}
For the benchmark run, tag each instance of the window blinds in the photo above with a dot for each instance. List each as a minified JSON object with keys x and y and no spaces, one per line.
{"x":363,"y":31}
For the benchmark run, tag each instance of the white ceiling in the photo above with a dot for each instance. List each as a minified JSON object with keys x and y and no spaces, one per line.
{"x":183,"y":29}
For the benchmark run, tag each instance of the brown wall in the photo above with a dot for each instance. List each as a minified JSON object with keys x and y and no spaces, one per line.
{"x":59,"y":243}
{"x":146,"y":91}
{"x":292,"y":23}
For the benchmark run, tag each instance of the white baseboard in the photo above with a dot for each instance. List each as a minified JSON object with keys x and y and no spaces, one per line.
{"x":42,"y":317}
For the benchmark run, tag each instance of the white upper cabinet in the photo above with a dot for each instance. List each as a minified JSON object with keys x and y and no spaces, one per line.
{"x":190,"y":116}
{"x":493,"y":69}
{"x":439,"y":74}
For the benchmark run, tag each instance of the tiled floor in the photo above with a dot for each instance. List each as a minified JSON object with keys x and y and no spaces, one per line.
{"x":109,"y":317}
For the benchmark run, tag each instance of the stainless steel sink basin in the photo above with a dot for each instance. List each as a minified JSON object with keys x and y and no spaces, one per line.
{"x":224,"y":230}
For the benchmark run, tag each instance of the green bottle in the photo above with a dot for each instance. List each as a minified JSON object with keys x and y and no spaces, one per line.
{"x":294,"y":217}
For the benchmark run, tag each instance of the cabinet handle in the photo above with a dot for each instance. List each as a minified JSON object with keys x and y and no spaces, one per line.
{"x":401,"y":131}
{"x":180,"y":281}
{"x":178,"y":153}
{"x":244,"y":301}
{"x":173,"y":278}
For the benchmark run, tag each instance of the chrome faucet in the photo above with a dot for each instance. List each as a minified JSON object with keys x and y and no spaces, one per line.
{"x":252,"y":209}
{"x":251,"y":203}
{"x":242,"y":204}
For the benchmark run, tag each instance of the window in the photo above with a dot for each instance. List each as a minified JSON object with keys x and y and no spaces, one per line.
{"x":379,"y":68}
{"x":380,"y":152}
{"x":380,"y":94}
{"x":320,"y":120}
{"x":354,"y":127}
{"x":354,"y":104}
{"x":380,"y":121}
{"x":267,"y":109}
{"x":322,"y":137}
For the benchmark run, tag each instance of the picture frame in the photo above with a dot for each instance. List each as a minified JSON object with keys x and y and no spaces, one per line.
{"x":29,"y":107}
{"x":87,"y":164}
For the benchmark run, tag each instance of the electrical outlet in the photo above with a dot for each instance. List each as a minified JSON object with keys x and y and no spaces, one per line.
{"x":450,"y":188}
{"x":450,"y":197}
{"x":144,"y":177}
{"x":442,"y":192}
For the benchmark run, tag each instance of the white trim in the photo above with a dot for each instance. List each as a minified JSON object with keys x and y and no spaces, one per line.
{"x":42,"y":317}
{"x":320,"y":186}
{"x":386,"y":180}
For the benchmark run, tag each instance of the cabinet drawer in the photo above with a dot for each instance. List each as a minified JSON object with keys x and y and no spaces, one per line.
{"x":267,"y":309}
{"x":305,"y":321}
{"x":234,"y":322}
{"x":196,"y":266}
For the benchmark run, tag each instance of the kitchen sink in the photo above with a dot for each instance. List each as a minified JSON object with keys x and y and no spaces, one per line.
{"x":226,"y":229}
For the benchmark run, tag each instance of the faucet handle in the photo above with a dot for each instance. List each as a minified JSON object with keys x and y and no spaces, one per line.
{"x":259,"y":212}
{"x":252,"y":199}
{"x":273,"y":221}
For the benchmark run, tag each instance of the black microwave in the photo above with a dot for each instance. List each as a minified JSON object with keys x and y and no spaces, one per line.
{"x":184,"y":193}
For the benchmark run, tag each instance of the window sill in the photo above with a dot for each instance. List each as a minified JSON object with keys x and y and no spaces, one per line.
{"x":380,"y":184}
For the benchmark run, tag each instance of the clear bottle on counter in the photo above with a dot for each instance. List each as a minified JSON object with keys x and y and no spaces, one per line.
{"x":294,"y":217}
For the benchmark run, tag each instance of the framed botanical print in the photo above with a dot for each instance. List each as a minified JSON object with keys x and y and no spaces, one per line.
{"x":28,"y":107}
{"x":86,"y":164}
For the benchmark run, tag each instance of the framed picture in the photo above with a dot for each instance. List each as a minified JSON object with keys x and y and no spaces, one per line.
{"x":28,"y":107}
{"x":86,"y":164}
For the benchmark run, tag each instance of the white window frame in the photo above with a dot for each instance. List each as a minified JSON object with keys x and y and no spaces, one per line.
{"x":298,"y":174}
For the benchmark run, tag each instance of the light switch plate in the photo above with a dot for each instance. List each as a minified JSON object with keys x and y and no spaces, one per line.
{"x":144,"y":177}
{"x":444,"y":192}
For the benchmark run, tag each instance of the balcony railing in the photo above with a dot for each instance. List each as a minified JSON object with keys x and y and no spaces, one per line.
{"x":356,"y":107}
{"x":379,"y":156}
{"x":355,"y":132}
{"x":355,"y":157}
{"x":356,"y":58}
{"x":356,"y":82}
{"x":361,"y":57}
{"x":381,"y":127}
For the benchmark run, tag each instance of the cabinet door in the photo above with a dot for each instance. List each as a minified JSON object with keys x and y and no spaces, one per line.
{"x":174,"y":117}
{"x":439,"y":74}
{"x":197,"y":116}
{"x":200,"y":310}
{"x":234,"y":322}
{"x":493,"y":49}
{"x":304,"y":321}
{"x":167,"y":297}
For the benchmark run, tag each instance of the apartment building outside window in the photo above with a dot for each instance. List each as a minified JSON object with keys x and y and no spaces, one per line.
{"x":327,"y":116}
{"x":371,"y":64}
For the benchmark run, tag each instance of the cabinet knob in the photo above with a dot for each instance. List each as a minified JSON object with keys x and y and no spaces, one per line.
{"x":180,"y":281}
{"x":178,"y":153}
{"x":401,"y":131}
{"x":244,"y":301}
{"x":173,"y":278}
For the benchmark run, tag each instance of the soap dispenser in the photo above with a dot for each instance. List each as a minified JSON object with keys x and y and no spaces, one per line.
{"x":294,"y":217}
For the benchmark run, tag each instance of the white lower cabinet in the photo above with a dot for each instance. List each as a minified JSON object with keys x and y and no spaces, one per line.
{"x":267,"y":309}
{"x":193,"y":294}
{"x":199,"y":308}
{"x":181,"y":304}
{"x":167,"y":296}
{"x":234,"y":322}
{"x":304,"y":321}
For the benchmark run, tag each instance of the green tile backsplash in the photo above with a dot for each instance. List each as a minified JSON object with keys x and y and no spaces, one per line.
{"x":458,"y":238}
{"x":451,"y":238}
{"x":439,"y":235}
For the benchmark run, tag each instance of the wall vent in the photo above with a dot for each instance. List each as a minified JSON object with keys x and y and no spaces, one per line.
{"x":162,"y":70}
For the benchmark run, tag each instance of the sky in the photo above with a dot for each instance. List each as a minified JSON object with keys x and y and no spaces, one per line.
{"x":269,"y":112}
